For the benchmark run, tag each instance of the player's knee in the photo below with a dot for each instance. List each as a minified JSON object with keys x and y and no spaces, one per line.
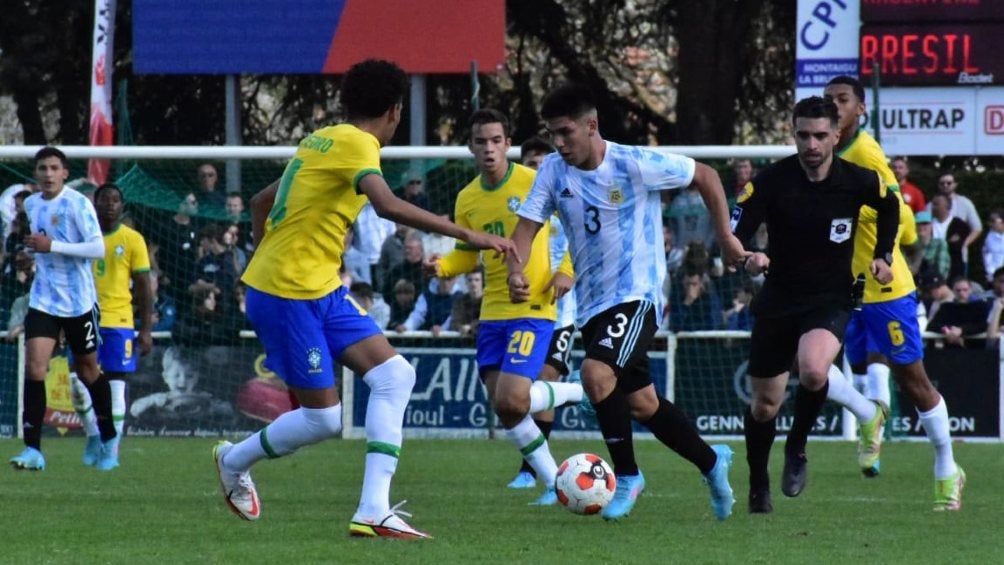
{"x":394,"y":374}
{"x":764,"y":408}
{"x":509,"y":405}
{"x":643,"y":404}
{"x":324,"y":422}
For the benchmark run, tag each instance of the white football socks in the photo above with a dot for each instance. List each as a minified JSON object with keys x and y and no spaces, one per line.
{"x":843,"y":393}
{"x":877,"y":384}
{"x":545,"y":395}
{"x":935,"y":423}
{"x":390,"y":389}
{"x":81,"y":399}
{"x":289,"y":432}
{"x":530,"y":442}
{"x":118,"y":387}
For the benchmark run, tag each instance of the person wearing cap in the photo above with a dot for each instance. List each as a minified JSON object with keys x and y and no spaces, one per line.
{"x":932,"y":255}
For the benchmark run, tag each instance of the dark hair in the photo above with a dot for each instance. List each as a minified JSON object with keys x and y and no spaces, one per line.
{"x":997,"y":273}
{"x":106,"y":186}
{"x":372,"y":87}
{"x":211,"y":231}
{"x":855,"y":84}
{"x":22,"y":195}
{"x":535,"y":144}
{"x":489,"y":116}
{"x":816,"y":107}
{"x":49,"y":151}
{"x":362,"y":290}
{"x":568,"y":100}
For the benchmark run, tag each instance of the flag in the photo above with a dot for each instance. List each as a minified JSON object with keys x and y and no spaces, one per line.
{"x":101,"y":86}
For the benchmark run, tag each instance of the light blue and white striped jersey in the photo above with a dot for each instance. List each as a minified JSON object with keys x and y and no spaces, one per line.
{"x":613,"y":218}
{"x":64,"y":285}
{"x":559,"y":246}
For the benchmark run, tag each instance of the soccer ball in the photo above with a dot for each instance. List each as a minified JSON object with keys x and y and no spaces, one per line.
{"x":585,"y":483}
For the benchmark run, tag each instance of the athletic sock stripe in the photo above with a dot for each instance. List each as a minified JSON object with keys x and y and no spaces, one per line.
{"x":384,"y":448}
{"x":533,"y":445}
{"x":118,"y":417}
{"x":266,"y":446}
{"x":550,"y":394}
{"x":634,"y":329}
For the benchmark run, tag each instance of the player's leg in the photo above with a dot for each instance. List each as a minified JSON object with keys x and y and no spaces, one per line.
{"x":908,"y":369}
{"x":521,"y":352}
{"x":547,"y":393}
{"x":41,"y":332}
{"x":817,"y":348}
{"x":83,"y":339}
{"x":296,"y":349}
{"x":673,"y":428}
{"x":772,"y":349}
{"x":869,"y":414}
{"x":360,"y":345}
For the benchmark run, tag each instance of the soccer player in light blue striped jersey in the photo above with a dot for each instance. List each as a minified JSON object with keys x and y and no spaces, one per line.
{"x":65,"y":238}
{"x":608,"y":198}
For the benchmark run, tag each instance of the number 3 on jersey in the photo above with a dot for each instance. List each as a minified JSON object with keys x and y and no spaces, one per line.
{"x":278,"y":212}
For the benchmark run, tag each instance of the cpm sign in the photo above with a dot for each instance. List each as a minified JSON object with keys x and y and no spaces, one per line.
{"x":827,"y":43}
{"x":315,"y":36}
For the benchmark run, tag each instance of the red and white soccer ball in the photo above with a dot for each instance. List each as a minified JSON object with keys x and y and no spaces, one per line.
{"x":585,"y":483}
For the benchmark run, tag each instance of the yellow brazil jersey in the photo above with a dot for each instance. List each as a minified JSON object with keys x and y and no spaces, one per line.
{"x":318,"y":199}
{"x":864,"y":151}
{"x":125,"y":255}
{"x":492,"y":209}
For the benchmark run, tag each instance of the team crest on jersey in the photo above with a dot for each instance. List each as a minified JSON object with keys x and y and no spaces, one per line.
{"x":314,"y":359}
{"x":616,"y":195}
{"x":513,"y":203}
{"x":746,"y":193}
{"x":120,"y":250}
{"x":54,"y":220}
{"x":840,"y":229}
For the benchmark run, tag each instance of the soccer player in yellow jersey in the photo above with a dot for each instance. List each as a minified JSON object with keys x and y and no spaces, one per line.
{"x":121,"y":278}
{"x":885,"y":329}
{"x":513,"y":339}
{"x":306,"y":319}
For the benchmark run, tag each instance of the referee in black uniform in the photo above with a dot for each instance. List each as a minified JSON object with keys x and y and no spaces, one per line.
{"x":810,"y":202}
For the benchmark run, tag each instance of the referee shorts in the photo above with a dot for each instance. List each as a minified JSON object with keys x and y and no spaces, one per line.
{"x":774,"y":341}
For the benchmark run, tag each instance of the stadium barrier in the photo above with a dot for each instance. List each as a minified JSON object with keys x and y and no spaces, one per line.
{"x":225,"y":391}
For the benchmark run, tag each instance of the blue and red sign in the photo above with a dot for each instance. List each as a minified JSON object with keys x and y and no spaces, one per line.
{"x":315,"y":36}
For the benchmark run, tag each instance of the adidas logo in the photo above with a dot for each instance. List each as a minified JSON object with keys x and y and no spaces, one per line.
{"x":565,"y":193}
{"x":556,"y":356}
{"x":607,"y":342}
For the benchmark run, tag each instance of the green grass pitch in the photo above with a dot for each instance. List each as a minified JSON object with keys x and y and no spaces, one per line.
{"x":164,"y":506}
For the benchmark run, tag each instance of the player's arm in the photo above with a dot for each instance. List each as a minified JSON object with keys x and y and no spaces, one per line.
{"x":143,"y":294}
{"x":261,"y":206}
{"x":463,"y":258}
{"x":522,"y":237}
{"x":747,"y":215}
{"x":885,"y":202}
{"x":389,"y":206}
{"x":86,"y":221}
{"x":563,"y":279}
{"x":709,"y":184}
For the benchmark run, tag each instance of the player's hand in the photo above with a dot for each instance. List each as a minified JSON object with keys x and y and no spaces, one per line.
{"x":145,"y":342}
{"x":519,"y":287}
{"x":560,"y":283}
{"x":501,"y":245}
{"x":757,"y":263}
{"x":733,"y":253}
{"x":881,"y":271}
{"x":431,"y":266}
{"x":38,"y":242}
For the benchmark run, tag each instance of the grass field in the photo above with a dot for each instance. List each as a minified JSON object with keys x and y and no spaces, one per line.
{"x":164,"y":506}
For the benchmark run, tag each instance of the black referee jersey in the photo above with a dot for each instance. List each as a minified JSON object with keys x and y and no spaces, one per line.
{"x":810,"y":232}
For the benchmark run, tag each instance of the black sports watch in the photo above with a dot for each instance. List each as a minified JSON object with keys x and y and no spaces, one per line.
{"x":887,"y":258}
